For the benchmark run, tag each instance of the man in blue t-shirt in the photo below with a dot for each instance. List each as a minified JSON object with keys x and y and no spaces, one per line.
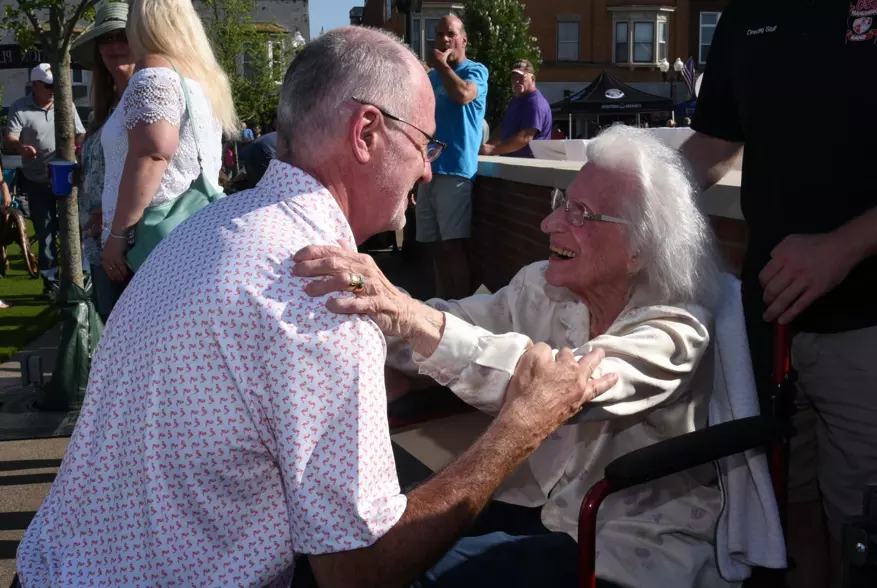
{"x":528,"y":117}
{"x":444,"y":206}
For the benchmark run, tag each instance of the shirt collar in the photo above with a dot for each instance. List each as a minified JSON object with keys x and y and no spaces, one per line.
{"x":287,"y":182}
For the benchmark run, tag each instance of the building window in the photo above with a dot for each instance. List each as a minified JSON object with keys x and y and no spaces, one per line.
{"x":641,"y":34}
{"x":663,"y":37}
{"x":567,"y":41}
{"x":415,"y":38}
{"x":388,"y":10}
{"x":708,"y":22}
{"x":643,"y":42}
{"x":622,"y":49}
{"x":429,"y":26}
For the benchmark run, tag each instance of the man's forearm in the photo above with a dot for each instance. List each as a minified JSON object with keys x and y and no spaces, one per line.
{"x":709,"y":158}
{"x":458,"y":89}
{"x":13,"y":144}
{"x":438,"y":513}
{"x":513,"y":143}
{"x":860,"y":235}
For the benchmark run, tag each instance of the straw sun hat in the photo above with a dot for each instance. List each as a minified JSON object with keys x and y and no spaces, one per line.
{"x":109,"y":17}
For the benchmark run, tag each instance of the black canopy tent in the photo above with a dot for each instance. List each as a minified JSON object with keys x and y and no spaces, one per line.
{"x":608,"y":95}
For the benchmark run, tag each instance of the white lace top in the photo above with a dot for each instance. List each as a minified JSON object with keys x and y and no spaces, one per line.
{"x":155,"y":94}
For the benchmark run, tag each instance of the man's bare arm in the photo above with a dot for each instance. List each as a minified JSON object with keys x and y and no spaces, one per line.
{"x":517,"y":141}
{"x":439,"y":511}
{"x":710,"y":158}
{"x":460,"y":91}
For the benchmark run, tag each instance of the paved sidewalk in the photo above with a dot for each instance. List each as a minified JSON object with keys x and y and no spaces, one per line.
{"x":19,"y":418}
{"x":27,"y":468}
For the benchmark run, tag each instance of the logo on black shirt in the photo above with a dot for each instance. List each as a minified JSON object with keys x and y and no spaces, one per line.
{"x":860,"y":21}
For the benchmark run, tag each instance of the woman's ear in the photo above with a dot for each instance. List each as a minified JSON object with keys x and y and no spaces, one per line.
{"x":635,"y":263}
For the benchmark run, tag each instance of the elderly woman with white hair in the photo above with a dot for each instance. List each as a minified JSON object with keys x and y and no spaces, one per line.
{"x":632,"y":271}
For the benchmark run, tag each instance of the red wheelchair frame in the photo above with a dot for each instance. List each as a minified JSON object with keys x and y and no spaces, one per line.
{"x":698,"y":448}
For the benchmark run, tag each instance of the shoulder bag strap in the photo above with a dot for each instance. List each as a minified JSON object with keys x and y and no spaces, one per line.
{"x":189,"y":114}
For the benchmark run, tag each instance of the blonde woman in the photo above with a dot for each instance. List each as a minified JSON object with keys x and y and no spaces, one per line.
{"x":152,"y":155}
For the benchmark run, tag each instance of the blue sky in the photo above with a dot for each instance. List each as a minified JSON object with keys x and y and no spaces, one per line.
{"x":329,"y":14}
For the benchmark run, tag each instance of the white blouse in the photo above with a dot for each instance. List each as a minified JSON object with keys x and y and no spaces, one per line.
{"x":658,"y":534}
{"x":154,"y":94}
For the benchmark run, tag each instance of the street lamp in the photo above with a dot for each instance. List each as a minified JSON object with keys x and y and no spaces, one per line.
{"x":664,"y":67}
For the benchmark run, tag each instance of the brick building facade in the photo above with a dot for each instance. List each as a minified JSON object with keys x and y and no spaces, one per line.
{"x":581,"y":38}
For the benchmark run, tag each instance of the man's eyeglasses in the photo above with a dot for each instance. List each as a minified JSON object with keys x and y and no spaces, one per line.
{"x":577,"y":213}
{"x":114,"y":37}
{"x":433,"y":146}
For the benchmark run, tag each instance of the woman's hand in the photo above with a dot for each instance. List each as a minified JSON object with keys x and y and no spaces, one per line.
{"x":393,"y":311}
{"x":112,"y":259}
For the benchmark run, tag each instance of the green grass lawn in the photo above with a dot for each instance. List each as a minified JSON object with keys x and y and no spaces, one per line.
{"x":28,"y":315}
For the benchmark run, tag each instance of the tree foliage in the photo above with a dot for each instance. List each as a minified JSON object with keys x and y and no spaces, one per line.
{"x":53,"y":25}
{"x":242,"y":49}
{"x":498,"y":36}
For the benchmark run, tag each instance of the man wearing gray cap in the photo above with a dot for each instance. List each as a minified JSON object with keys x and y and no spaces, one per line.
{"x":30,"y":132}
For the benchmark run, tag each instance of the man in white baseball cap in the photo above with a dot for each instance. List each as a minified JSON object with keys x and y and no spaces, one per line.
{"x":43,"y":74}
{"x":30,"y":132}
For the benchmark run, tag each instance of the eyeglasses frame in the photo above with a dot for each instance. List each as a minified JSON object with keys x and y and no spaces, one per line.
{"x":431,"y":140}
{"x":586,"y":214}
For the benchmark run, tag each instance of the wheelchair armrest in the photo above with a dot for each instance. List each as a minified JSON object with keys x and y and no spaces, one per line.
{"x":691,"y":450}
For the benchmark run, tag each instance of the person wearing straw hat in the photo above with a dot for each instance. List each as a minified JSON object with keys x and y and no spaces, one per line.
{"x":102,"y":48}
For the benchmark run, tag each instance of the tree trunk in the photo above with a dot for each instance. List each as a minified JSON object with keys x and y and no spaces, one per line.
{"x":65,"y":149}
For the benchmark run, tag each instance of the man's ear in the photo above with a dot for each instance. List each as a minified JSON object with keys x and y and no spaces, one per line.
{"x":364,"y":133}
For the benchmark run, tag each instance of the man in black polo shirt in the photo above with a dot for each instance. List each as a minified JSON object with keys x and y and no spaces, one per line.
{"x":774,"y":69}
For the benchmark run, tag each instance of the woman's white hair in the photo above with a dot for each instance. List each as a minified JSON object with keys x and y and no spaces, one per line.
{"x":173,"y":29}
{"x":348,"y":62}
{"x":672,"y":238}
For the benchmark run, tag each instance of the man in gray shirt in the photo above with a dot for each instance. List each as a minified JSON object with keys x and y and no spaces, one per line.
{"x":30,"y":131}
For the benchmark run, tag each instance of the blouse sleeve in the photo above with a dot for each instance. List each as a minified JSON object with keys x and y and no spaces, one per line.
{"x":154,"y":95}
{"x":654,"y":351}
{"x":472,"y":356}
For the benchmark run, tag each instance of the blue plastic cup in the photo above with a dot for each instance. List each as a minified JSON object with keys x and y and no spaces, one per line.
{"x":62,"y":177}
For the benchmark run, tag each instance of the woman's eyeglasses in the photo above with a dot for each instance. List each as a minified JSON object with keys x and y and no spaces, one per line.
{"x":433,"y":146}
{"x":114,"y":37}
{"x":577,"y":213}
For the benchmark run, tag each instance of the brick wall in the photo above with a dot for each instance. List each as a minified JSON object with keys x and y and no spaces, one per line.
{"x":506,"y":236}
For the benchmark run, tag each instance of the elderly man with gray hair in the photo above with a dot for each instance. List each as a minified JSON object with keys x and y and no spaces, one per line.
{"x":233,"y":423}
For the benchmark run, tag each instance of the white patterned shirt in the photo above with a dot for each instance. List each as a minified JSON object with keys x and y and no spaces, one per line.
{"x":231,"y":421}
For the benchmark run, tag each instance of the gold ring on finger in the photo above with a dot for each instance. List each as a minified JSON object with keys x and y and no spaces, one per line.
{"x":357,"y":282}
